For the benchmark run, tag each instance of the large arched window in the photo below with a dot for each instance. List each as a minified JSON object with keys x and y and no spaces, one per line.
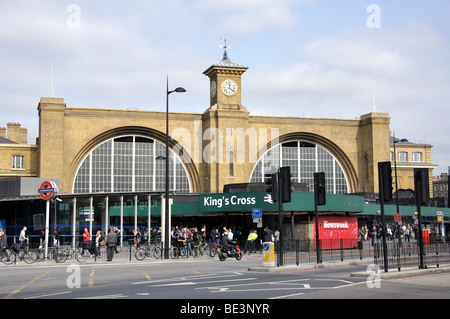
{"x":130,"y":164}
{"x":305,"y":159}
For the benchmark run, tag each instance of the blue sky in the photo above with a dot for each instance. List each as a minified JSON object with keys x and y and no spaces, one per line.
{"x":313,"y":58}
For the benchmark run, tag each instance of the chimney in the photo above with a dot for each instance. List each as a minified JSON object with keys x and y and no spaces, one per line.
{"x":14,"y":132}
{"x":3,"y":132}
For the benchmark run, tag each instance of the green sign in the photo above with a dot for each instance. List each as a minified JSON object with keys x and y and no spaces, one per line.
{"x":228,"y":202}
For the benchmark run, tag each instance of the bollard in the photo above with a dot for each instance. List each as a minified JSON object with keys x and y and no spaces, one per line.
{"x":269,"y":254}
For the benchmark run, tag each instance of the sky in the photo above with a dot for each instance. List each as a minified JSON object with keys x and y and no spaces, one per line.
{"x":306,"y":58}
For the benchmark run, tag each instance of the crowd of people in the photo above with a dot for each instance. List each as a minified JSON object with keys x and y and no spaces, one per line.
{"x":407,"y":232}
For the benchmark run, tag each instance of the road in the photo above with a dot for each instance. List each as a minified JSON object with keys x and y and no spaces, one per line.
{"x":207,"y":279}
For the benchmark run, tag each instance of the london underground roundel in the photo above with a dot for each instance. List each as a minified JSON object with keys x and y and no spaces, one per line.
{"x":47,"y":190}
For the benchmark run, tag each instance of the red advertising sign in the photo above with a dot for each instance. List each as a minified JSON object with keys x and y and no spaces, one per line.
{"x":334,"y":228}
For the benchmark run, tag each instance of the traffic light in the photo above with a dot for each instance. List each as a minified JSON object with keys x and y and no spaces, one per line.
{"x":319,"y":188}
{"x":385,"y":180}
{"x":285,"y":183}
{"x":421,"y":185}
{"x":271,"y":180}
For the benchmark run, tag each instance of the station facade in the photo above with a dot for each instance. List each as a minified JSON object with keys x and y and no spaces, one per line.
{"x":107,"y":162}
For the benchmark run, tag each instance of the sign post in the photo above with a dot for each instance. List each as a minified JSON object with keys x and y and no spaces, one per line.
{"x":47,"y":191}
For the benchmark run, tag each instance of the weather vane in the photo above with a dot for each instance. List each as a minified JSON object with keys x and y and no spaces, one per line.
{"x":225,"y":47}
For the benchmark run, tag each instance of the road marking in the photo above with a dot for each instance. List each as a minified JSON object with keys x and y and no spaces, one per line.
{"x":147,"y":276}
{"x":91,"y":278}
{"x":104,"y":297}
{"x":11,"y":294}
{"x":48,"y":295}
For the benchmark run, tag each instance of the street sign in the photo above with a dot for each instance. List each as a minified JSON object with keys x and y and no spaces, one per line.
{"x":256,"y":213}
{"x":47,"y":190}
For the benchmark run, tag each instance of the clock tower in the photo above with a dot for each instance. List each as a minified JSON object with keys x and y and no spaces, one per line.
{"x":225,"y":83}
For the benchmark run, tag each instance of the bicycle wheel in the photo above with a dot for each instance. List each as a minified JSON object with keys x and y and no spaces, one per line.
{"x":184,"y":252}
{"x":213,"y":250}
{"x":29,"y":257}
{"x":196,"y":251}
{"x":60,"y":256}
{"x":140,"y":253}
{"x":82,"y":255}
{"x":174,"y":252}
{"x":157,"y":252}
{"x":40,"y":255}
{"x":10,"y":257}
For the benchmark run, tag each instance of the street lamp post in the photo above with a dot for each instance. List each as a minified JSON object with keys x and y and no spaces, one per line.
{"x":166,"y":213}
{"x":396,"y":189}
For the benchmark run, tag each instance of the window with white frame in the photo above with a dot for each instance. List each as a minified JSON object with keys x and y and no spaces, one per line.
{"x":403,"y":156}
{"x":417,"y":157}
{"x":17,"y":162}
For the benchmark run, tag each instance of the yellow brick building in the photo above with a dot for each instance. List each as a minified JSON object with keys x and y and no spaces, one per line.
{"x":109,"y":150}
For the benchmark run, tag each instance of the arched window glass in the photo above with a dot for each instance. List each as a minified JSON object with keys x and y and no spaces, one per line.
{"x":130,"y":164}
{"x":304,"y":159}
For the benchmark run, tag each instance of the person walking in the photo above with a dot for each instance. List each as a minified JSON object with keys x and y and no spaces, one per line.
{"x":3,"y":244}
{"x":111,"y":242}
{"x":23,"y":238}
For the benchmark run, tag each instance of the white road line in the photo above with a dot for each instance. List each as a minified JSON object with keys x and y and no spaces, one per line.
{"x":49,"y":295}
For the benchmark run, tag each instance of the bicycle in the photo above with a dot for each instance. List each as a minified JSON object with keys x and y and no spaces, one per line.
{"x":153,"y":250}
{"x":213,"y":249}
{"x":199,"y":248}
{"x":15,"y":251}
{"x":58,"y":255}
{"x":83,"y":253}
{"x":179,"y":251}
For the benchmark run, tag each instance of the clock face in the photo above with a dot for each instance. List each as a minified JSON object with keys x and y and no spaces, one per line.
{"x":229,"y":87}
{"x":213,"y":89}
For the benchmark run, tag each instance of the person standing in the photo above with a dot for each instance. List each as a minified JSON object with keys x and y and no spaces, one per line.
{"x":111,"y":241}
{"x":98,"y":240}
{"x":250,"y":244}
{"x":267,"y":235}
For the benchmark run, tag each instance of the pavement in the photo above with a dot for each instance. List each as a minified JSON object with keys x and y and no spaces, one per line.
{"x":390,"y":274}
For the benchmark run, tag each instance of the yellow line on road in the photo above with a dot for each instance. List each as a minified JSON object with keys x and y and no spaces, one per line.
{"x":148,"y":277}
{"x":91,"y":278}
{"x":11,"y":294}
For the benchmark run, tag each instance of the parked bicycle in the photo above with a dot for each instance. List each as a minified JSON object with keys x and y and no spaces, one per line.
{"x":53,"y":253}
{"x":15,"y":251}
{"x":200,"y":249}
{"x":148,"y":251}
{"x":179,"y":251}
{"x":84,"y":252}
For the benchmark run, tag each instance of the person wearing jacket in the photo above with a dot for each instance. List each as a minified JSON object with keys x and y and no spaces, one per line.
{"x":111,"y":241}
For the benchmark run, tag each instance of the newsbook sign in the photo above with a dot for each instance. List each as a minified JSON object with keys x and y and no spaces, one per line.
{"x":229,"y":202}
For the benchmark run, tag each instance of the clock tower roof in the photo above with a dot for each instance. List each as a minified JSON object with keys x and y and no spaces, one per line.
{"x":226,"y":65}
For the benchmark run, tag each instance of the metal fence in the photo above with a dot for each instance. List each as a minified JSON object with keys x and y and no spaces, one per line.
{"x":399,"y":254}
{"x":407,"y":254}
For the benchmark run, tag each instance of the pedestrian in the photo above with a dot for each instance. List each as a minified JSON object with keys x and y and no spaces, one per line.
{"x":276,"y":237}
{"x":3,"y":244}
{"x":267,"y":235}
{"x":111,"y":242}
{"x":137,"y":238}
{"x":250,"y":243}
{"x":56,"y":239}
{"x":23,"y":238}
{"x":98,"y":240}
